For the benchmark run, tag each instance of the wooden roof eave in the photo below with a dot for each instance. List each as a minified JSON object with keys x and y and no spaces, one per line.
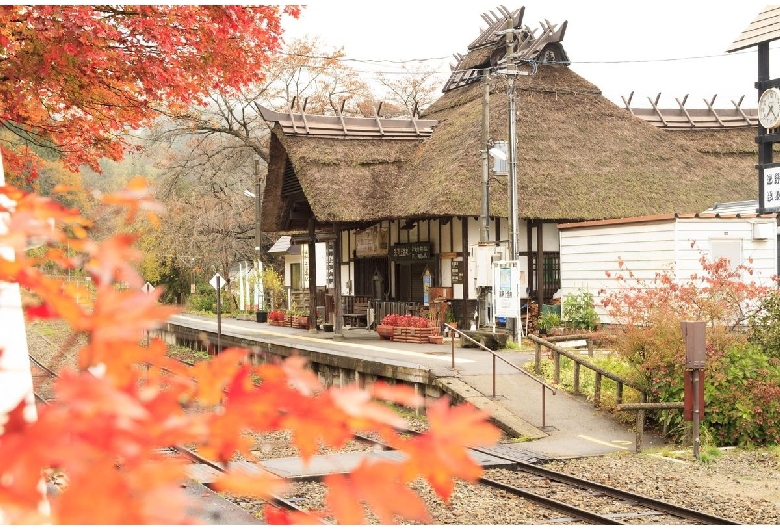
{"x":348,"y":127}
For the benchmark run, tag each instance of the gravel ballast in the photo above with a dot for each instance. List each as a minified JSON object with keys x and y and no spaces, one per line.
{"x":737,"y":484}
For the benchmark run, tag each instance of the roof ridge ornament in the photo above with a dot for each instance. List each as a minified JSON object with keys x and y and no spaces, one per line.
{"x":489,"y":50}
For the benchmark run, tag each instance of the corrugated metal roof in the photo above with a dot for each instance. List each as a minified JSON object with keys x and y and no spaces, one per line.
{"x":765,"y":28}
{"x":729,"y":210}
{"x":741,"y":207}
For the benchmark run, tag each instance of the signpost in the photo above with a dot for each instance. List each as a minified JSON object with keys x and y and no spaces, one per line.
{"x":695,"y":360}
{"x":217,"y":283}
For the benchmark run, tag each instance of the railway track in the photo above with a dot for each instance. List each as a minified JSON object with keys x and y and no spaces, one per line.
{"x":43,"y":377}
{"x":195,"y":458}
{"x":569,"y":495}
{"x":559,"y":498}
{"x":591,"y":502}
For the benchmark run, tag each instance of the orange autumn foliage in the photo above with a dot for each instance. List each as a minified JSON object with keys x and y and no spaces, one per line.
{"x":125,"y":401}
{"x":75,"y":75}
{"x":74,"y":78}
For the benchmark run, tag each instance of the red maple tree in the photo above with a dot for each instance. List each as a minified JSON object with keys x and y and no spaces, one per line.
{"x":72,"y":78}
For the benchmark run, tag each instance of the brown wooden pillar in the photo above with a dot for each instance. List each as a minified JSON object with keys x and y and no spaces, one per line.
{"x":540,"y":264}
{"x":338,"y":332}
{"x":312,"y":278}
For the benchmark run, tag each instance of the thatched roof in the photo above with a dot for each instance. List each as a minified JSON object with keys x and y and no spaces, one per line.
{"x":580,"y":157}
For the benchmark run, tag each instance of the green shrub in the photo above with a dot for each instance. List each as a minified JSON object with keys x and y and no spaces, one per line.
{"x":578,"y":308}
{"x":549,"y":321}
{"x":741,"y":394}
{"x":764,"y":326}
{"x":205,"y":301}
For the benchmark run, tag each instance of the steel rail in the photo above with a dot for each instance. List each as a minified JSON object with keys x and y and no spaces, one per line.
{"x":275,"y":500}
{"x":679,"y":511}
{"x":579,"y":513}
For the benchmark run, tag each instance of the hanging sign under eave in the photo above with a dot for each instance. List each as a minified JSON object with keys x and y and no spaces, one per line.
{"x":373,"y":241}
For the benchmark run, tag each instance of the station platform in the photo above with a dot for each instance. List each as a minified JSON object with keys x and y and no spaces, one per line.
{"x":557,"y":426}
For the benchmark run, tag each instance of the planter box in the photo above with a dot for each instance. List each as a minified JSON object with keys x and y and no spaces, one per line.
{"x":436,"y":339}
{"x":276,"y":322}
{"x":416,"y":335}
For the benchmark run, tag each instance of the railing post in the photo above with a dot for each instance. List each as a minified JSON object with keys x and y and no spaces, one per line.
{"x":557,"y":365}
{"x":640,"y":422}
{"x":538,"y":357}
{"x":543,"y":408}
{"x":640,"y":427}
{"x":576,"y":378}
{"x":619,"y":392}
{"x":597,"y":391}
{"x":453,"y":346}
{"x":494,"y":376}
{"x":590,"y":347}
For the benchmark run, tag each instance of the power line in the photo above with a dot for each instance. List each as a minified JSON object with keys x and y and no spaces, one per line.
{"x":571,"y":63}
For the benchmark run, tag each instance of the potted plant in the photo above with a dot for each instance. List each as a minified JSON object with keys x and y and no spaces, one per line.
{"x":449,"y":318}
{"x":386,"y":326}
{"x":262,"y":314}
{"x":548,"y":321}
{"x":273,"y":288}
{"x":409,"y":328}
{"x":276,"y":317}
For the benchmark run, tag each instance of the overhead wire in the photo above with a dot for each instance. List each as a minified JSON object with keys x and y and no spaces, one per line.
{"x":443,"y":72}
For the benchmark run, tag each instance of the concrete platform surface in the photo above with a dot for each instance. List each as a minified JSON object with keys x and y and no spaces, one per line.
{"x":557,"y":425}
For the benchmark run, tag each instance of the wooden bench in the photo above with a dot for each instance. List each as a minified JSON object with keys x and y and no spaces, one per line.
{"x":359,"y":314}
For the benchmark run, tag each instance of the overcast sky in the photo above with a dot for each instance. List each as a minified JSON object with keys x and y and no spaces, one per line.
{"x":675,"y":48}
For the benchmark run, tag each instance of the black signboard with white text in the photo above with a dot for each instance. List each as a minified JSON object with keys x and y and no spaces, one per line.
{"x":410,"y":252}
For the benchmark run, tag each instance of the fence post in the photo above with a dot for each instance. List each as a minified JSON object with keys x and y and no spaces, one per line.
{"x":576,"y":378}
{"x":557,"y":364}
{"x":619,"y":392}
{"x":538,"y":357}
{"x":640,"y":422}
{"x":597,"y":391}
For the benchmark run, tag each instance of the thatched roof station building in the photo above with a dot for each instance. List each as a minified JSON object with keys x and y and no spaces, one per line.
{"x":370,"y":184}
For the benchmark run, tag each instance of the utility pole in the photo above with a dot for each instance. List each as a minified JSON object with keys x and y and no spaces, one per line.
{"x":258,"y":198}
{"x":511,"y":73}
{"x":484,"y":233}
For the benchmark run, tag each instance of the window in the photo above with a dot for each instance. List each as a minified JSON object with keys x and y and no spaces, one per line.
{"x":296,"y":279}
{"x":731,"y":249}
{"x":551,"y":274}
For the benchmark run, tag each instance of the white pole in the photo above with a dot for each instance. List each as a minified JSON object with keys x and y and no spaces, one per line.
{"x":16,"y":384}
{"x":248,"y":286}
{"x":260,"y":288}
{"x":15,"y":376}
{"x":240,"y":287}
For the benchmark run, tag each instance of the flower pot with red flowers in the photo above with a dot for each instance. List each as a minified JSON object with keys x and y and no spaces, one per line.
{"x":276,"y":317}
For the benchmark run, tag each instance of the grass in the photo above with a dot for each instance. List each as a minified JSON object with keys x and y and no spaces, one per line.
{"x":187,"y":354}
{"x":707,"y":453}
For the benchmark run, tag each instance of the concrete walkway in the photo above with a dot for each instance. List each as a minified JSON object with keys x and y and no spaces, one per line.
{"x":557,"y":426}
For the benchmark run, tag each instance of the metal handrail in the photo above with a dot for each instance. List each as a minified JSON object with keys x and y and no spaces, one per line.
{"x":496,"y":355}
